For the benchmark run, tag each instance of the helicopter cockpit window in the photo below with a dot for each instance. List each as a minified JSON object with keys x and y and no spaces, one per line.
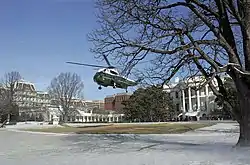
{"x":113,"y":72}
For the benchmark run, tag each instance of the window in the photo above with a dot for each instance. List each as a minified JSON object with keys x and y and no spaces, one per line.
{"x":202,"y":91}
{"x":186,"y":92}
{"x":178,"y":107}
{"x":113,"y":72}
{"x":186,"y":106}
{"x":206,"y":106}
{"x":176,"y":94}
{"x":193,"y":92}
{"x":202,"y":103}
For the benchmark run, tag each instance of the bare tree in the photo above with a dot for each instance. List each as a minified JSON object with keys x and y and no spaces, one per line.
{"x":188,"y":37}
{"x":63,"y":88}
{"x":7,"y":93}
{"x":3,"y":101}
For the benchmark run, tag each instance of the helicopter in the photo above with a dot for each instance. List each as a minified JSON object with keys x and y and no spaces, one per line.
{"x":109,"y":76}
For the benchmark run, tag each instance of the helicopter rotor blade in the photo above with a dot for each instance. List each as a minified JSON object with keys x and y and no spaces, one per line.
{"x":97,"y":66}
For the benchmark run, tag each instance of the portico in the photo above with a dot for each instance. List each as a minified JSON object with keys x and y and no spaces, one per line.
{"x":191,"y":98}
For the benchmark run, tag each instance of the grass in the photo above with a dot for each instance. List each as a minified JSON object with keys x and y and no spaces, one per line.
{"x":161,"y":128}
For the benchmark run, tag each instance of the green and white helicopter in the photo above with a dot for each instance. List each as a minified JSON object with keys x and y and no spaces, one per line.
{"x":109,"y":76}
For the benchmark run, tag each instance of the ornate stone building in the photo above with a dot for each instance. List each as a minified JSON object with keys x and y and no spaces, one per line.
{"x":32,"y":104}
{"x":36,"y":105}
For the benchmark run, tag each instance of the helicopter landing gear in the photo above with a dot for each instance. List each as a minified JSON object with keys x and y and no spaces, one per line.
{"x":114,"y":85}
{"x":99,"y":87}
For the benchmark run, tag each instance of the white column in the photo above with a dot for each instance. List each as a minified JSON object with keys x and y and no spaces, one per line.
{"x":8,"y":118}
{"x":206,"y":92}
{"x":206,"y":96}
{"x":183,"y":101}
{"x":198,"y":100}
{"x":190,"y":99}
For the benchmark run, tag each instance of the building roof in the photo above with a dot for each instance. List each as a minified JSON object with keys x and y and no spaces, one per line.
{"x":42,"y":92}
{"x":94,"y":101}
{"x":118,"y":94}
{"x":24,"y":85}
{"x":25,"y":82}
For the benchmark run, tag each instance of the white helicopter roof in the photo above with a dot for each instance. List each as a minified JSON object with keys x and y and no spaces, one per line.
{"x":104,"y":70}
{"x":111,"y":71}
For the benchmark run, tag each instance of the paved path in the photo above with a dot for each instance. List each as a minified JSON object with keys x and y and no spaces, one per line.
{"x":207,"y":146}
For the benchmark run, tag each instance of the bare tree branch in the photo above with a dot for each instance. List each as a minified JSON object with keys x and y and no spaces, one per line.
{"x":180,"y":36}
{"x":63,"y":89}
{"x":7,"y":92}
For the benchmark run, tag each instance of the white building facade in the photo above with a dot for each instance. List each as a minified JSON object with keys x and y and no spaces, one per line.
{"x":89,"y":117}
{"x":32,"y":103}
{"x":191,"y":98}
{"x":37,"y":105}
{"x":85,"y":116}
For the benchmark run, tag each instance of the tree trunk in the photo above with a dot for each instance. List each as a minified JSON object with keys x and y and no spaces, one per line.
{"x":243,"y":83}
{"x":244,"y":122}
{"x":244,"y":138}
{"x":65,"y":118}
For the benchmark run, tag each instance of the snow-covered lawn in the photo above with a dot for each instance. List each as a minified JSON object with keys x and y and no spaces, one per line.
{"x":206,"y":146}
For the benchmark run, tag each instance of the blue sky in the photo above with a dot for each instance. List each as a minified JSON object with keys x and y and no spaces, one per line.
{"x":37,"y":37}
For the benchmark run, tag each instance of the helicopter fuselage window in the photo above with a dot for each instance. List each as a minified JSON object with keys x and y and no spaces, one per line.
{"x":113,"y":72}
